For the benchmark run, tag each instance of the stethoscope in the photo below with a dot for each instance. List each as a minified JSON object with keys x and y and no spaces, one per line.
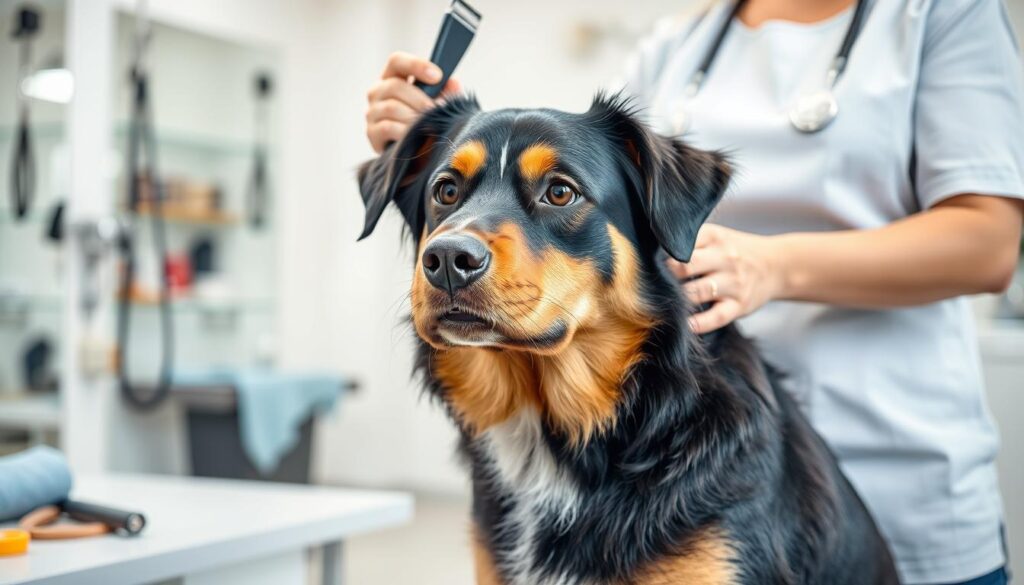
{"x":23,"y":169}
{"x":256,"y":195}
{"x":143,"y":175}
{"x":812,"y":111}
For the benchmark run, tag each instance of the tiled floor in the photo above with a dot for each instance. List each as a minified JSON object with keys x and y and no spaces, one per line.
{"x":433,"y":550}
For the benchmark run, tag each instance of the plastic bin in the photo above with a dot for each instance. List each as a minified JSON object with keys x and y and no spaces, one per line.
{"x":215,"y":444}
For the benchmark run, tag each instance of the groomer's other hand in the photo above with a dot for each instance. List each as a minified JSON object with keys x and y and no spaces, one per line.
{"x":735,"y":271}
{"x":394,"y":102}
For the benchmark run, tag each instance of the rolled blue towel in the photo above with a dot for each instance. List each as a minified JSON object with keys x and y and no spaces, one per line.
{"x":32,"y":478}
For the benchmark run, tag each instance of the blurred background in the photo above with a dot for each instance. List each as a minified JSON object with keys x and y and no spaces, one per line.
{"x":257,"y":117}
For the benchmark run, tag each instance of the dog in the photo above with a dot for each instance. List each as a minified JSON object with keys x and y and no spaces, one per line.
{"x":607,"y":443}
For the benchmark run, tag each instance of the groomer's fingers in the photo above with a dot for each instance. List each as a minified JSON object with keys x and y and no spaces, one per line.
{"x":707,"y":235}
{"x":702,"y":261}
{"x":719,"y":315}
{"x":388,"y":120}
{"x":401,"y":90}
{"x":390,"y":109}
{"x":453,"y":86}
{"x":405,"y":65}
{"x":711,"y":287}
{"x":383,"y":132}
{"x":677,"y":268}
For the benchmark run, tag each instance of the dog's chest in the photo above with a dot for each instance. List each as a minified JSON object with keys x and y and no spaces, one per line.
{"x":543,"y":496}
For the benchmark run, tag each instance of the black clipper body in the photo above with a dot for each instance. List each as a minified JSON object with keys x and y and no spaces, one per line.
{"x":457,"y":30}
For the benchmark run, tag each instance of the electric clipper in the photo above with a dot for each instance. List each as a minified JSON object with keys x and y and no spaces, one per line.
{"x":457,"y":30}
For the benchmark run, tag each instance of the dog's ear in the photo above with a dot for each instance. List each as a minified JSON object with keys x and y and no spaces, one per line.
{"x":678,"y":185}
{"x":396,"y":175}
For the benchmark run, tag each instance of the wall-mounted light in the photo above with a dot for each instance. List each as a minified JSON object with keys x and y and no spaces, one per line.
{"x":53,"y":83}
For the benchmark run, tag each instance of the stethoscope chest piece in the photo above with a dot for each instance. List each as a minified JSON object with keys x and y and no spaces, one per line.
{"x":680,"y":118}
{"x":814,"y":111}
{"x":679,"y":122}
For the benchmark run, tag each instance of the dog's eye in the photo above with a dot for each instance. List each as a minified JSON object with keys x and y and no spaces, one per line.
{"x":560,"y":195}
{"x":446,"y":192}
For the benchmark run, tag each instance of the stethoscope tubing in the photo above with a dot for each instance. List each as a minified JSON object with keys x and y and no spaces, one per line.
{"x":812,"y":113}
{"x":257,"y":196}
{"x":23,"y":165}
{"x":142,"y":161}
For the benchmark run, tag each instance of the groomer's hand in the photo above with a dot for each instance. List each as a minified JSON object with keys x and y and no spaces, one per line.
{"x":735,"y":271}
{"x":394,"y":102}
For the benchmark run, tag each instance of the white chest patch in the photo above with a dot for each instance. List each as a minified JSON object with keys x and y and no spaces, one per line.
{"x":543,"y":493}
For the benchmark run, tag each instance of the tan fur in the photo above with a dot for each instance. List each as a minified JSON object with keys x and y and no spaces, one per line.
{"x":537,"y":160}
{"x":469,"y":158}
{"x":707,"y":561}
{"x":576,"y":384}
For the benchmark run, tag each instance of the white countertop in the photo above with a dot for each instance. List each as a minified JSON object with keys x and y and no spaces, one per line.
{"x":197,"y":524}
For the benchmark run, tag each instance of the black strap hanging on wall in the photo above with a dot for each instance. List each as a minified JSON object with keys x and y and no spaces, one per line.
{"x":142,"y":171}
{"x":23,"y":170}
{"x":257,"y":197}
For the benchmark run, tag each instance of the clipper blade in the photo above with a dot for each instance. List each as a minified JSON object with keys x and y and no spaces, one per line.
{"x":457,"y":30}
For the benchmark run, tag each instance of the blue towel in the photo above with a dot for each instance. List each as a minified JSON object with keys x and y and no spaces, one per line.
{"x":34,"y":477}
{"x":272,"y":406}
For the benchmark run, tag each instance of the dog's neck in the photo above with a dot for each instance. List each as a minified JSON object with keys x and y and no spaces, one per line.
{"x":577,"y":391}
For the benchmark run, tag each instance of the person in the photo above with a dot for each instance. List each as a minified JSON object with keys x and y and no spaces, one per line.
{"x":847,"y":252}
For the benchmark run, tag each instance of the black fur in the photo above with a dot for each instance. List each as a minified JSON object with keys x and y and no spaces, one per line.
{"x":705,"y":436}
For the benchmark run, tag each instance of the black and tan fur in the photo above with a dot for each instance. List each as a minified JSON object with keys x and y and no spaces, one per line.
{"x":607,"y":443}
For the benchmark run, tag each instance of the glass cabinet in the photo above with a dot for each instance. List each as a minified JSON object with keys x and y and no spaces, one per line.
{"x":33,"y":182}
{"x":213,"y":113}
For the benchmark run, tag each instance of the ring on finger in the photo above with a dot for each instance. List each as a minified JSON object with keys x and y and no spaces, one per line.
{"x":714,"y":288}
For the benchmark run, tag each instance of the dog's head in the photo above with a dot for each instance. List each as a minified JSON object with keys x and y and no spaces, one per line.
{"x":534,"y":226}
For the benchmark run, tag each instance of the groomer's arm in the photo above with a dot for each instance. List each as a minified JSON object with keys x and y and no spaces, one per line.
{"x":967,"y":244}
{"x":394,"y":102}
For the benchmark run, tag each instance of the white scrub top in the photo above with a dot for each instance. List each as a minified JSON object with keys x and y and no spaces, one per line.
{"x":930,"y":107}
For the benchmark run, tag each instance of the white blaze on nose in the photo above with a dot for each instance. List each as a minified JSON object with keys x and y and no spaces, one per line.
{"x":504,"y":159}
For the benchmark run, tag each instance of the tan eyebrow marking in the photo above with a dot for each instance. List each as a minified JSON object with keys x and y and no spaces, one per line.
{"x":469,"y":158}
{"x":537,"y":160}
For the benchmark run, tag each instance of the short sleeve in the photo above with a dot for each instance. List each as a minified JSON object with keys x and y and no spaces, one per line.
{"x":969,"y":113}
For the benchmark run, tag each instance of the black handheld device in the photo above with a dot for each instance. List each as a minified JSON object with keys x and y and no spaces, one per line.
{"x":457,"y":30}
{"x":130,"y":523}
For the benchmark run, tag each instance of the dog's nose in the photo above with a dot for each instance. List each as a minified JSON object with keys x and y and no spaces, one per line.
{"x":454,"y":261}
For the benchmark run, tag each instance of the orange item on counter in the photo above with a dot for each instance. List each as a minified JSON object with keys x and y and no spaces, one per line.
{"x":13,"y":542}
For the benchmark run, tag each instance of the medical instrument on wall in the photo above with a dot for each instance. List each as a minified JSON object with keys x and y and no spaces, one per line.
{"x":457,"y":30}
{"x":23,"y":169}
{"x":37,"y":362}
{"x":143,"y":179}
{"x":257,"y":196}
{"x":812,"y":111}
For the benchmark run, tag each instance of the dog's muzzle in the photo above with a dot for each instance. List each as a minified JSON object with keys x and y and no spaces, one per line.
{"x":454,"y":261}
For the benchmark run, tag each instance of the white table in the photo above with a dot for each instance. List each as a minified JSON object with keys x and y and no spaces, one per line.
{"x":207,"y":531}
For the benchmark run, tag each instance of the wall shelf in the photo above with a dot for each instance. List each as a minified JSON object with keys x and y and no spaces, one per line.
{"x":189,"y":304}
{"x":36,"y":216}
{"x":40,"y":131}
{"x":172,"y":139}
{"x":180,"y":141}
{"x":185,"y":215}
